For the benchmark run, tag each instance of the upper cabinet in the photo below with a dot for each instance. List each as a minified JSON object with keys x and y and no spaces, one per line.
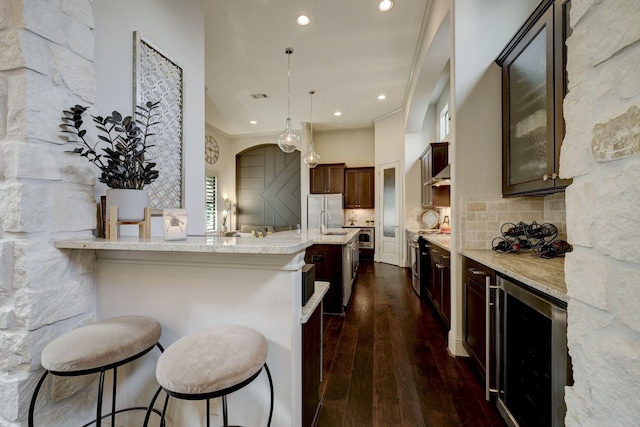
{"x":533,"y":87}
{"x":327,"y":178}
{"x":359,"y":188}
{"x":433,"y":161}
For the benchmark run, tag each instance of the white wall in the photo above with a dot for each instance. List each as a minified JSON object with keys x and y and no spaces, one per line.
{"x":177,"y":29}
{"x":476,"y":109}
{"x":476,"y":116}
{"x":351,"y":146}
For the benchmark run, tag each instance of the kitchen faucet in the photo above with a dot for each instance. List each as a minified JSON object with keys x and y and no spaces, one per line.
{"x":327,"y":216}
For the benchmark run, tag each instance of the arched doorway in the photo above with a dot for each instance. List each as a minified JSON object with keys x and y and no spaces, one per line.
{"x":268,"y":187}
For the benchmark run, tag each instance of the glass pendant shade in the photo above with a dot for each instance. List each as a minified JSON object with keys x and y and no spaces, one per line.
{"x":311,"y":159}
{"x":288,"y":141}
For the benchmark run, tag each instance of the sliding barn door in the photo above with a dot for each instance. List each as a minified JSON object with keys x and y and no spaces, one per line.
{"x":268,"y":187}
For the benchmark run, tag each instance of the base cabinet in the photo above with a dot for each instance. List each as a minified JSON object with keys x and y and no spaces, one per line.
{"x":475,"y":276}
{"x":311,"y":367}
{"x":338,"y":265}
{"x":439,"y":286}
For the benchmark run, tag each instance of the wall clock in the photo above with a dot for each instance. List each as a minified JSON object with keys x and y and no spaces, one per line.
{"x":211,"y":150}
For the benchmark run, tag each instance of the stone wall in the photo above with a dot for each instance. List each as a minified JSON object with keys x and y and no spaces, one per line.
{"x":46,"y":51}
{"x":601,"y":152}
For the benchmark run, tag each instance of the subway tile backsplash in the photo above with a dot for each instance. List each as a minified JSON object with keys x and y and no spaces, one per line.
{"x":481,"y":218}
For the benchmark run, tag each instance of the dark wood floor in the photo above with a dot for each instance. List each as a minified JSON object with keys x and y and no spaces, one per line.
{"x":386,"y":364}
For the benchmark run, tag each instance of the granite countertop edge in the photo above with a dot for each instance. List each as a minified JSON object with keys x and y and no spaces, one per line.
{"x":281,"y":243}
{"x":544,"y":275}
{"x":319,"y":291}
{"x":193,"y":244}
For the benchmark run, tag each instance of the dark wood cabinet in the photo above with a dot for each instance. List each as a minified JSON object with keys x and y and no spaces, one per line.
{"x":311,"y":366}
{"x":475,"y":276}
{"x":359,"y":188}
{"x":439,"y":286}
{"x":533,"y":87}
{"x":327,"y":178}
{"x":432,"y":161}
{"x":335,"y":264}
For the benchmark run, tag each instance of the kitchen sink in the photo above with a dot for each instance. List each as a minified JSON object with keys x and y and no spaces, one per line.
{"x":334,"y":233}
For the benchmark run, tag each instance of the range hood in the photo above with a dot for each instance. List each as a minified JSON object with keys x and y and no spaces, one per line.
{"x":443,"y":177}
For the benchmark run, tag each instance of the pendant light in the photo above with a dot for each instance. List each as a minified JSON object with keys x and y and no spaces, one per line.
{"x":288,"y":141}
{"x":311,"y":159}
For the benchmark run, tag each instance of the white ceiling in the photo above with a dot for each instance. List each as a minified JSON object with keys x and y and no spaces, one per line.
{"x":349,"y":54}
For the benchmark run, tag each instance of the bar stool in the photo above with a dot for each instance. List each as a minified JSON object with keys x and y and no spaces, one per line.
{"x":212,"y":363}
{"x":99,"y":347}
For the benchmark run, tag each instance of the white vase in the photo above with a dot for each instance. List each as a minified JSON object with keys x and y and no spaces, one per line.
{"x":130,"y":203}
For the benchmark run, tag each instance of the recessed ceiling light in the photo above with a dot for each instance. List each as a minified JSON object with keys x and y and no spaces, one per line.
{"x":253,"y":122}
{"x":337,"y":113}
{"x":381,"y":97}
{"x":385,"y":5}
{"x":303,"y":20}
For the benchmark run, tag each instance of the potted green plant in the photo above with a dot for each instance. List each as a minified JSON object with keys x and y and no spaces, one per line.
{"x":119,"y":153}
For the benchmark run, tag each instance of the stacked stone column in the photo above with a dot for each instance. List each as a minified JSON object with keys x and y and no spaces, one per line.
{"x":601,"y":152}
{"x":46,"y":51}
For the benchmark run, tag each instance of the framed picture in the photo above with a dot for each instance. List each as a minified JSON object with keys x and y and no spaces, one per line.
{"x":156,"y":77}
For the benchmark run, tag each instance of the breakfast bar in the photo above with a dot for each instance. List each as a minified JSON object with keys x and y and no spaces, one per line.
{"x":204,"y":281}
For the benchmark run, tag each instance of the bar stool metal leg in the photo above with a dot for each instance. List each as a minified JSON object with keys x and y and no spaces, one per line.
{"x":266,"y":368}
{"x":225,"y":416}
{"x":100,"y":393}
{"x":113,"y":394}
{"x":32,"y":405}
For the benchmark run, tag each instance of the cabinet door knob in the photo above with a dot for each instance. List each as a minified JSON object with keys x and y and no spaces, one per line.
{"x":554,"y":175}
{"x":545,"y":177}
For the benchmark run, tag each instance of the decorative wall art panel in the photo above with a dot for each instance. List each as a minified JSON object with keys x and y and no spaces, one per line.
{"x":158,"y":78}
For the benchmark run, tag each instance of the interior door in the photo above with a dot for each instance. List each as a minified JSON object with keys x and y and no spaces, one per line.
{"x":389,"y":248}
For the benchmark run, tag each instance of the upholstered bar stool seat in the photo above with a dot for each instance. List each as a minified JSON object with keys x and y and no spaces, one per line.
{"x":104,"y":343}
{"x":99,"y":347}
{"x":213,"y":363}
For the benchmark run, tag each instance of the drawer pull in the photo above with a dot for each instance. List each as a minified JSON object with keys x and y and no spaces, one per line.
{"x":477,"y":272}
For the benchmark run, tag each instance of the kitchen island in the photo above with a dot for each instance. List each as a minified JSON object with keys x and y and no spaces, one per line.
{"x":336,"y":257}
{"x":203,"y":281}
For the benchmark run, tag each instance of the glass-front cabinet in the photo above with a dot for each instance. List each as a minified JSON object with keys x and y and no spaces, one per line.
{"x":533,"y":87}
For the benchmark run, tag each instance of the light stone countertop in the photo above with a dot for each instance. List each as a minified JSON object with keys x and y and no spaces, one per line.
{"x":281,"y":243}
{"x":320,"y":239}
{"x":357,"y":224}
{"x":442,"y":240}
{"x":319,"y":291}
{"x":545,"y":275}
{"x":273,"y":245}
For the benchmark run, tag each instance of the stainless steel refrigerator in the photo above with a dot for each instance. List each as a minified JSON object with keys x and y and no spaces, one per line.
{"x":331,"y":202}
